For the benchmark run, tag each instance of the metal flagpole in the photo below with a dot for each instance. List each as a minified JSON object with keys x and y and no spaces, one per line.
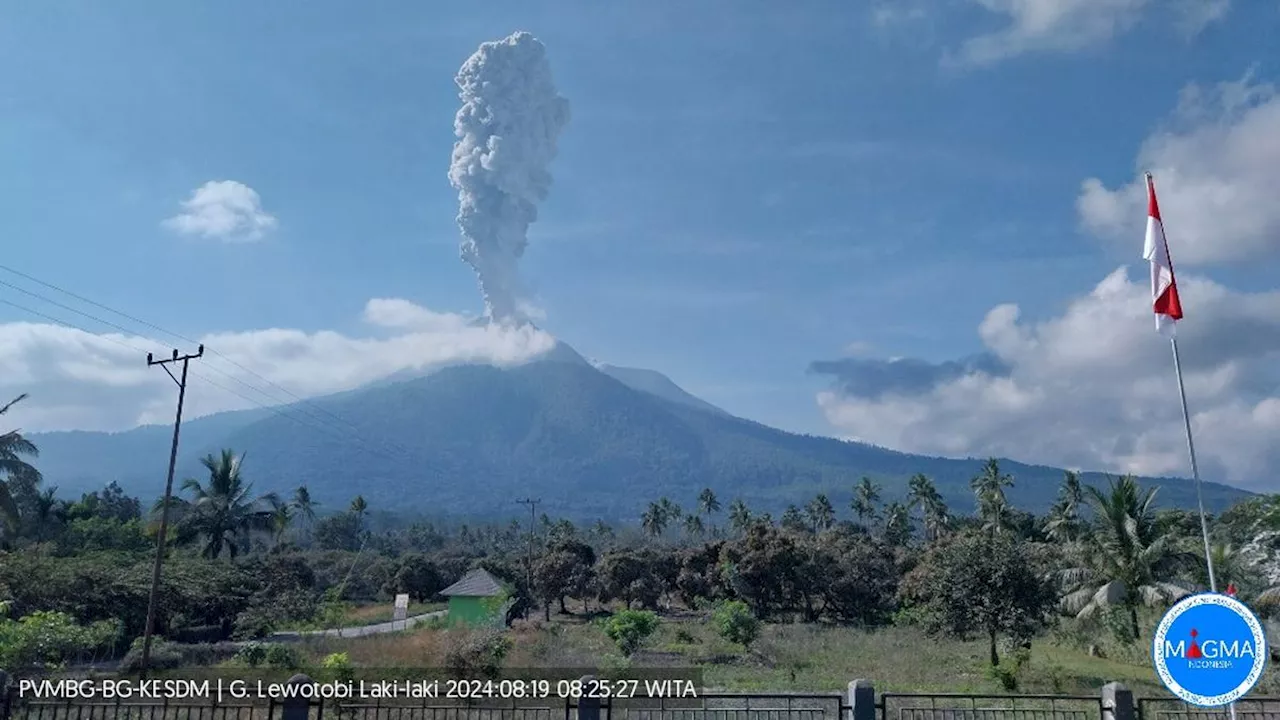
{"x":1195,"y":468}
{"x":1195,"y":474}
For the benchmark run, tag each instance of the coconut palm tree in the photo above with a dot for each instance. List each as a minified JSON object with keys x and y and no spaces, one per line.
{"x":897,"y":523}
{"x":14,"y":469}
{"x":821,"y":514}
{"x":1063,"y":522}
{"x":739,"y":515}
{"x":708,"y":503}
{"x":693,"y":526}
{"x":993,"y":507}
{"x":223,"y":511}
{"x":922,"y":493}
{"x":1125,"y":559}
{"x":654,"y":520}
{"x":866,"y":495}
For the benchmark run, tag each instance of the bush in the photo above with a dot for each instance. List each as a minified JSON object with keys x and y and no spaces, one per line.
{"x":629,"y":629}
{"x":252,"y":654}
{"x":283,"y":657}
{"x":164,"y":656}
{"x":476,"y":655}
{"x":736,"y":623}
{"x":52,"y":639}
{"x":338,"y":666}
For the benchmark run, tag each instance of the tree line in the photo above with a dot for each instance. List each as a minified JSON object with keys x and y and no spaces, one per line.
{"x":245,"y":563}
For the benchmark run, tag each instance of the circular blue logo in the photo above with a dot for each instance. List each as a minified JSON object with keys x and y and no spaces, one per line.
{"x":1209,"y":650}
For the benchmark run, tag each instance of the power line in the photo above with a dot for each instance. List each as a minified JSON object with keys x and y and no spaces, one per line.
{"x":212,"y":351}
{"x":355,"y":430}
{"x":277,"y":410}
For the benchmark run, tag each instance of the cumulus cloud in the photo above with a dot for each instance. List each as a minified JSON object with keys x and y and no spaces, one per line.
{"x":1216,"y":164}
{"x":223,"y":210}
{"x":1094,"y":388}
{"x":1071,"y":25}
{"x":80,"y":380}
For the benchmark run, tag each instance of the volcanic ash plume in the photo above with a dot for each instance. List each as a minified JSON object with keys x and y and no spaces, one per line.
{"x":507,"y":127}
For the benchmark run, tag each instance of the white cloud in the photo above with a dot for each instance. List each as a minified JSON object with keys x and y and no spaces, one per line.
{"x":1216,"y":167}
{"x":224,"y":210}
{"x":79,"y":380}
{"x":1072,"y":25}
{"x":1095,"y":388}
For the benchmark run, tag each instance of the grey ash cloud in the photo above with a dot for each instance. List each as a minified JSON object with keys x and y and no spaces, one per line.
{"x":873,"y":378}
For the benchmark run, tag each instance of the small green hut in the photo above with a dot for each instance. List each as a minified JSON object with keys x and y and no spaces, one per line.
{"x":478,"y":599}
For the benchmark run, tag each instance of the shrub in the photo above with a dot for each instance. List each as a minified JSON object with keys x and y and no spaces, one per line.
{"x":282,"y":657}
{"x":338,"y":665}
{"x":735,"y":622}
{"x":476,"y":655}
{"x":51,"y":639}
{"x":164,"y":656}
{"x":629,"y":629}
{"x":252,"y":654}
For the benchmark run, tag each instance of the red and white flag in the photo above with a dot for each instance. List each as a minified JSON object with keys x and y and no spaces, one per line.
{"x":1164,"y":288}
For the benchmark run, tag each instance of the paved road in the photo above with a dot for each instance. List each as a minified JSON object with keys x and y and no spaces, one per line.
{"x":358,"y":631}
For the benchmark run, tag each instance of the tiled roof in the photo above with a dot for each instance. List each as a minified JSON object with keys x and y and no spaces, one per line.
{"x":476,"y":583}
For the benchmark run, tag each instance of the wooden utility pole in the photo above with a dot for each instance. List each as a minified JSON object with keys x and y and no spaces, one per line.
{"x":533,"y":511}
{"x":168,"y":496}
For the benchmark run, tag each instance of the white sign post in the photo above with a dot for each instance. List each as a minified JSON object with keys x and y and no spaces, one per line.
{"x":402,"y":608}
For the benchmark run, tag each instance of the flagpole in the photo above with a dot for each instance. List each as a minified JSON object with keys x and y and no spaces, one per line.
{"x":1195,"y":468}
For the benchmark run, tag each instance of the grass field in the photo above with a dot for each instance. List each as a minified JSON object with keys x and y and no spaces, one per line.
{"x":793,"y":657}
{"x":366,"y":614}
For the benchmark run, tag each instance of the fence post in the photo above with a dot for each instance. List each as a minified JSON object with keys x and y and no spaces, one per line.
{"x":589,"y":701}
{"x":1117,"y":702}
{"x":296,"y":707}
{"x":862,"y":700}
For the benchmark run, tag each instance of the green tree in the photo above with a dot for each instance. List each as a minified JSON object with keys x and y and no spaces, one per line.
{"x":739,"y":516}
{"x":708,"y":503}
{"x":629,"y":629}
{"x":735,"y":622}
{"x":897,"y":524}
{"x":821,"y":514}
{"x":1126,"y":559}
{"x":1063,"y":524}
{"x":993,"y":507}
{"x":866,"y":497}
{"x":693,"y":526}
{"x":793,"y":519}
{"x":654,"y":520}
{"x":983,"y":584}
{"x":923,"y":494}
{"x":14,"y":469}
{"x":222,"y":512}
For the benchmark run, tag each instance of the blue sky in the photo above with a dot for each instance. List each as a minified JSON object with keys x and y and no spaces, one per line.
{"x":744,"y":187}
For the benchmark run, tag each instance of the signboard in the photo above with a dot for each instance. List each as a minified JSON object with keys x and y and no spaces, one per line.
{"x":402,"y":608}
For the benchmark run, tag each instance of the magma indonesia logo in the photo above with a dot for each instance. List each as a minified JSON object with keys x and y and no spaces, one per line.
{"x":1209,"y":650}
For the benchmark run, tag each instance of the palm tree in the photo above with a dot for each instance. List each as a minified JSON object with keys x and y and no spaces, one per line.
{"x":223,"y":512}
{"x":821,"y":514}
{"x":922,"y":493}
{"x":670,"y":510}
{"x":739,"y":515}
{"x":793,"y":519}
{"x":654,"y":520}
{"x":897,"y":523}
{"x":47,"y":514}
{"x":708,"y":503}
{"x":281,"y":519}
{"x":1126,"y":560}
{"x":1063,"y":523}
{"x":693,"y":525}
{"x":866,"y":495}
{"x":13,"y":446}
{"x":993,"y":506}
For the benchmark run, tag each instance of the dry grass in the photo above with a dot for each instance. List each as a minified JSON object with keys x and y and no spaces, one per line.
{"x":815,"y":658}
